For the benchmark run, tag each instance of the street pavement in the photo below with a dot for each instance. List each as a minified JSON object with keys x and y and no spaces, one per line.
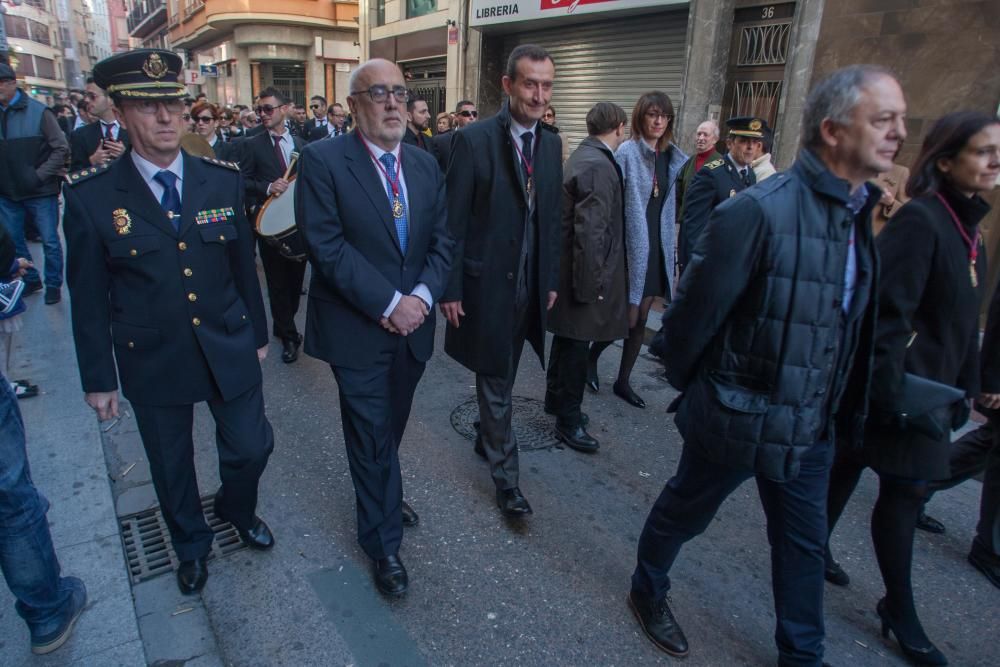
{"x":547,"y":591}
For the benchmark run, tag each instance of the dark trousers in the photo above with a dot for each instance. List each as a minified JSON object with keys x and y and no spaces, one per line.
{"x":796,"y":530}
{"x":244,"y":439}
{"x":565,"y":379}
{"x":975,"y":452}
{"x":284,"y":289}
{"x":493,"y":392}
{"x":375,"y":405}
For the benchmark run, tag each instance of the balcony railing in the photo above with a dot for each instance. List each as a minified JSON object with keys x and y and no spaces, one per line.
{"x":146,"y":16}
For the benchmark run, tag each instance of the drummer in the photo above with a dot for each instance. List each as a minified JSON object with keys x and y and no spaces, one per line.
{"x":265,"y":159}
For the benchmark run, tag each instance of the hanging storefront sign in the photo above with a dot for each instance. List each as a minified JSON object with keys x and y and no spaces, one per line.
{"x":495,"y":12}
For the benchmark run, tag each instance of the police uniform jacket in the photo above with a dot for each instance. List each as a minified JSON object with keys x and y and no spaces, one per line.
{"x":179,"y":312}
{"x":715,"y":182}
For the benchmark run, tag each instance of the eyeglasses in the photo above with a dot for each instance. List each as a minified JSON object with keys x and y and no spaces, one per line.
{"x":469,"y":114}
{"x":186,"y":117}
{"x":380,"y":93}
{"x":267,"y":109}
{"x":150,"y":107}
{"x":314,"y":106}
{"x":204,"y":119}
{"x":655,"y":115}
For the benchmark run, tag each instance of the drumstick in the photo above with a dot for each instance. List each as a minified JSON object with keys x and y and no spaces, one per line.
{"x":291,"y":164}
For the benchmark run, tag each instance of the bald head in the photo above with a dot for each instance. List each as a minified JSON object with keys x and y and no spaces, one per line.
{"x":378,"y":102}
{"x":706,"y":136}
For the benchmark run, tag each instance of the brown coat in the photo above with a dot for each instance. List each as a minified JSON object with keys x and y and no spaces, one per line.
{"x":593,"y":290}
{"x":893,"y":182}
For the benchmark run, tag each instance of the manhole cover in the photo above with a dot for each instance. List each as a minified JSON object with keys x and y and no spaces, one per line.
{"x":532,"y":427}
{"x":147,"y":541}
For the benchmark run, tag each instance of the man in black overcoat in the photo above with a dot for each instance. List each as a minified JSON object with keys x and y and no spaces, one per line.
{"x":166,"y":299}
{"x":373,"y":213}
{"x":101,"y":141}
{"x":266,"y":157}
{"x":504,"y":205}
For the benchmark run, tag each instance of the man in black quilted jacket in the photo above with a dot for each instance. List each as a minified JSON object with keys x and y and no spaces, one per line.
{"x":790,"y":268}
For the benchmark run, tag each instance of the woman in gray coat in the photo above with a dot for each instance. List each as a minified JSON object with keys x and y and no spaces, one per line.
{"x":650,"y":165}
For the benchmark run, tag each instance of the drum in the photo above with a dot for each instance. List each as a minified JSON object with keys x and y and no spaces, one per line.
{"x":276,"y":223}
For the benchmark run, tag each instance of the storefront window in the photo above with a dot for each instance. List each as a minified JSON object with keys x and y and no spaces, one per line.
{"x":420,"y":7}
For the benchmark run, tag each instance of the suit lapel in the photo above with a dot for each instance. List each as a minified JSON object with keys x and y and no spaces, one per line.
{"x":194,"y":191}
{"x":139,"y":200}
{"x":418,"y":191}
{"x":359,"y":163}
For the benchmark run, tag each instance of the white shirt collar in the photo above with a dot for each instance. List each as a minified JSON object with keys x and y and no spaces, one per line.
{"x":379,"y":152}
{"x":517,"y":129}
{"x":148,"y":170}
{"x":113,"y":123}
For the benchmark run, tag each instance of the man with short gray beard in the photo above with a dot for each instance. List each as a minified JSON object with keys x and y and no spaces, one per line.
{"x":373,"y":214}
{"x":782,"y":354}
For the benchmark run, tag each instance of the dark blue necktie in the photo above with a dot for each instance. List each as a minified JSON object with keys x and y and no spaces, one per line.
{"x":388,"y":160}
{"x":171,"y":199}
{"x":527,"y":139}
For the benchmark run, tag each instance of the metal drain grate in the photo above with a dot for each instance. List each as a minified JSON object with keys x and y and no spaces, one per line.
{"x":147,"y":541}
{"x":532,"y":427}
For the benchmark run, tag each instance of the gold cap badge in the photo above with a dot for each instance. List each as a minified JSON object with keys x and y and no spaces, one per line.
{"x":755,"y":125}
{"x":154,"y":67}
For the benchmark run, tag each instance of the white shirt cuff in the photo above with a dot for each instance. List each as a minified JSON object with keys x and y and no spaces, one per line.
{"x":423,"y":292}
{"x":392,"y":304}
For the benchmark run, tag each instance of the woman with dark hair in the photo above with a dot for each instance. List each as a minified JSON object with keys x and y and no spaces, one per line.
{"x":206,"y":125}
{"x":931,"y":286}
{"x":651,"y":164}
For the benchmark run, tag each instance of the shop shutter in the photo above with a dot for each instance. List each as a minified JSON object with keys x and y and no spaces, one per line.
{"x":610,"y":60}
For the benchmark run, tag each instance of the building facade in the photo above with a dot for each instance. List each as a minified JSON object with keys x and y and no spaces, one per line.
{"x":235,"y":48}
{"x":34,"y":47}
{"x":147,"y":23}
{"x":118,"y":22}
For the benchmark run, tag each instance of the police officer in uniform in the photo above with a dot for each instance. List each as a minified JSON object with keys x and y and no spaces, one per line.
{"x":163,"y":286}
{"x":720,"y":179}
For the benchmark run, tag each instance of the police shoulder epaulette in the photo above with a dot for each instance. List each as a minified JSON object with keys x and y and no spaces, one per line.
{"x":221,"y":163}
{"x":84,"y":174}
{"x":715,"y":164}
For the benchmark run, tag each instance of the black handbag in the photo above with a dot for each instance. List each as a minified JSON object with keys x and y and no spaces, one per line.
{"x":927,"y":406}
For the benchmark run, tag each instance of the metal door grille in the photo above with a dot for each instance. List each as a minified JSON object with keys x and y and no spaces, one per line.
{"x":764,"y":44}
{"x":147,"y":541}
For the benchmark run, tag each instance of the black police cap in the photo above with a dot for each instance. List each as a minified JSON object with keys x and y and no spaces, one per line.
{"x":142,"y":74}
{"x":747,"y":126}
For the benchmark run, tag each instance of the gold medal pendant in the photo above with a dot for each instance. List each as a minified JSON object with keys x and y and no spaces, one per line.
{"x":530,"y":185}
{"x":397,"y":208}
{"x":972,"y":274}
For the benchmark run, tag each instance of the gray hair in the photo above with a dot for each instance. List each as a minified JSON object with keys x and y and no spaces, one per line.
{"x":835,"y":98}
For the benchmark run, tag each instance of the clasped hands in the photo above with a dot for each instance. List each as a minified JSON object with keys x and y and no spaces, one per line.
{"x":406,"y":317}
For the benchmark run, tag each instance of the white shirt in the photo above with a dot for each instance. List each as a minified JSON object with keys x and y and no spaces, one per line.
{"x":420,"y":290}
{"x":287,"y":145}
{"x":148,"y":170}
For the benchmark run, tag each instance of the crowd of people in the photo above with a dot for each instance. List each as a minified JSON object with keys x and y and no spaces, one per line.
{"x":806,"y":344}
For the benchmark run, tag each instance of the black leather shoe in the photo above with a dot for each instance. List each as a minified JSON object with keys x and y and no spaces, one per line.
{"x":930,"y":524}
{"x":985,"y":562}
{"x":628,"y":395}
{"x":924,"y":654}
{"x":192,"y":575}
{"x":290,"y":350}
{"x":31,"y":288}
{"x":512,"y":503}
{"x":578,"y":439}
{"x":53,"y":295}
{"x":390,"y":576}
{"x":659,"y":624}
{"x":410,"y":518}
{"x":835,"y":574}
{"x":258,"y":537}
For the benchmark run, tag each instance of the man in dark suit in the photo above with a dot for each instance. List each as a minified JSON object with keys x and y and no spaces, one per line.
{"x":718,"y":180}
{"x":374,"y":217}
{"x":94,"y":144}
{"x":418,"y":117}
{"x":504,"y":208}
{"x":164,"y":286}
{"x":465,"y":115}
{"x":266,"y":158}
{"x":316,"y":127}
